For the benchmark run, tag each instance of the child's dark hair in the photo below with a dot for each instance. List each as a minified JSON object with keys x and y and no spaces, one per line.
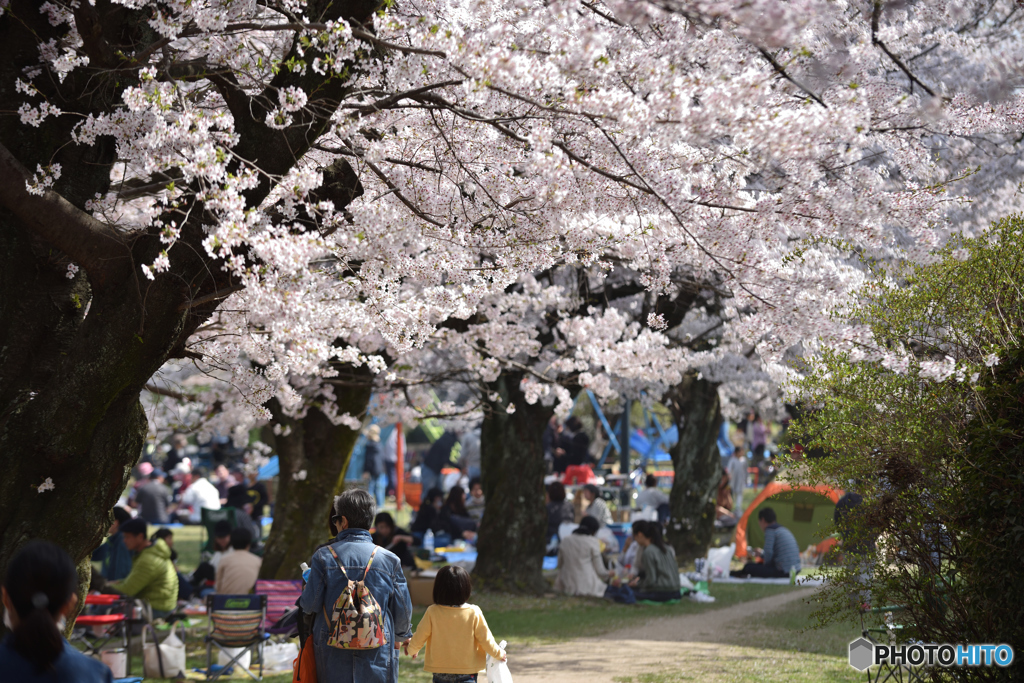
{"x":452,"y":586}
{"x":40,"y":580}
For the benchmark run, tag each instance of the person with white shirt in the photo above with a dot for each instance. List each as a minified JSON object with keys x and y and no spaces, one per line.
{"x":201,"y":494}
{"x":651,"y":497}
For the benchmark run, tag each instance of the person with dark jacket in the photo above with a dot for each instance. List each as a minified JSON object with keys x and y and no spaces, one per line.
{"x":114,"y":557}
{"x":428,"y":517}
{"x":559,"y":509}
{"x":397,"y":540}
{"x":441,"y":454}
{"x":40,"y":591}
{"x":456,"y":517}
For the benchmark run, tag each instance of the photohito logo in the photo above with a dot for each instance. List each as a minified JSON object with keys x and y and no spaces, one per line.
{"x":864,"y":654}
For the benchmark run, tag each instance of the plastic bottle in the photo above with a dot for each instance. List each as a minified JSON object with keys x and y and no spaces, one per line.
{"x":428,"y":541}
{"x":305,"y":571}
{"x":792,"y":576}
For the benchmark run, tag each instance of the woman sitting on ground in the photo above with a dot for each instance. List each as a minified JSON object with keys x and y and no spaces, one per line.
{"x":390,"y":537}
{"x":597,"y":509}
{"x":723,"y":503}
{"x":456,"y":517}
{"x":39,"y":591}
{"x":581,"y":570}
{"x":658,"y":579}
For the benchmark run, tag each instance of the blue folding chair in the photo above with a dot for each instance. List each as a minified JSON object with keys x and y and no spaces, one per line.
{"x":235,"y":621}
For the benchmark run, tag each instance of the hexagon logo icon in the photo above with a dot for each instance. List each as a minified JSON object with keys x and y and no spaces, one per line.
{"x":862,"y":654}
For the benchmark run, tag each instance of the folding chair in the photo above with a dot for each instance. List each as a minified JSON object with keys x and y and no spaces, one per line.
{"x":105,"y":621}
{"x":235,"y":621}
{"x":210,"y":519}
{"x":890,"y":631}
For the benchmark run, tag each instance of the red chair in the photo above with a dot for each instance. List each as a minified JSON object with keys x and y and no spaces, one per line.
{"x":106,"y":622}
{"x":578,"y":474}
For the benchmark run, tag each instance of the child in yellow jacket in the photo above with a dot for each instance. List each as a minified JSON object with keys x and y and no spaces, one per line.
{"x":455,"y":633}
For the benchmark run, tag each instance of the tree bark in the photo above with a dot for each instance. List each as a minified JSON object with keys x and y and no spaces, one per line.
{"x":698,"y":467}
{"x":511,"y":540}
{"x":76,"y":352}
{"x":313,"y":456}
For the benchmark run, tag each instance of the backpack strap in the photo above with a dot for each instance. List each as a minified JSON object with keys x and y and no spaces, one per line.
{"x":370,"y":561}
{"x":340,"y":565}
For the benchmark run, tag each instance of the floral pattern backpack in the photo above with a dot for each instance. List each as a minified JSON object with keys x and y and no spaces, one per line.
{"x":357,"y":622}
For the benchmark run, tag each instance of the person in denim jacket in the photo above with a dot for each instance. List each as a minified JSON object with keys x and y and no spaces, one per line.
{"x":353,"y":513}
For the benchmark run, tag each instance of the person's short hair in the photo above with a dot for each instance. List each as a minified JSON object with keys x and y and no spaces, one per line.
{"x":241,"y":538}
{"x":222,"y":528}
{"x":452,"y":586}
{"x":475,"y":481}
{"x":556,"y":492}
{"x":162,"y":532}
{"x":384,"y":518}
{"x":651,"y":481}
{"x":121,"y":515}
{"x":588,"y":525}
{"x":768,"y":515}
{"x":593,"y":490}
{"x":574,"y":424}
{"x":134,"y":527}
{"x":357,"y":506}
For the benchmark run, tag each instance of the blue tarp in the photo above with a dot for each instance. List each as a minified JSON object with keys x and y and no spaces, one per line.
{"x":270,"y":470}
{"x":645,"y":448}
{"x":469,"y":555}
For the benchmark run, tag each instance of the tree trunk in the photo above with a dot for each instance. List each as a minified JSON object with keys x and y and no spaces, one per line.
{"x":511,"y":540}
{"x":697,"y":465}
{"x":76,"y":352}
{"x":313,"y":456}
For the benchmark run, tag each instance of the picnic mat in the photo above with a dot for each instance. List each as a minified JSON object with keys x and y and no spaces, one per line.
{"x":801,"y":581}
{"x":453,"y":556}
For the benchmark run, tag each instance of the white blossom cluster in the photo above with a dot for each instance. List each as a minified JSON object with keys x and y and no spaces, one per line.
{"x":760,"y":145}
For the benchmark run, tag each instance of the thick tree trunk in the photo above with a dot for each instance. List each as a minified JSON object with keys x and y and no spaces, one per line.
{"x":697,"y":465}
{"x":511,"y":540}
{"x":75,"y":353}
{"x":313,"y":456}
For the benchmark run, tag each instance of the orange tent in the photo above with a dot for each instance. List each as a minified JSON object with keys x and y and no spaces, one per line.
{"x":804,"y":510}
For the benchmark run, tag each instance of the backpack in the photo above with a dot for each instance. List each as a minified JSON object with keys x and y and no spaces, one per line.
{"x":357,"y":622}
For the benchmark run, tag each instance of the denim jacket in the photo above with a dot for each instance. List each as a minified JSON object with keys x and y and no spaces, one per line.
{"x":387,"y":584}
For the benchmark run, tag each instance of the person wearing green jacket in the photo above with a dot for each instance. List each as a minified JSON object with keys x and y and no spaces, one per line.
{"x":153,"y":577}
{"x":659,"y":572}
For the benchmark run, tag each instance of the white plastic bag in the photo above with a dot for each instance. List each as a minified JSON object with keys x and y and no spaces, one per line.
{"x":279,"y":656}
{"x":497,"y":670}
{"x":226,"y":654}
{"x":718,"y":561}
{"x":171,"y":651}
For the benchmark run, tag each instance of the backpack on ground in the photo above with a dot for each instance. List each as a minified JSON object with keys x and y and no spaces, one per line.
{"x":357,"y":622}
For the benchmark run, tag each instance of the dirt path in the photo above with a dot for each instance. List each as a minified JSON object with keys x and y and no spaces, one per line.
{"x":658,"y":644}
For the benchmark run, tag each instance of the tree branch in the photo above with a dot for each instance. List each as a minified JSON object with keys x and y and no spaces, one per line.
{"x":94,"y":246}
{"x":782,"y":72}
{"x":896,"y":60}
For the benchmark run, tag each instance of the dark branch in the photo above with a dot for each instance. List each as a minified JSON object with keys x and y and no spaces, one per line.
{"x":94,"y":246}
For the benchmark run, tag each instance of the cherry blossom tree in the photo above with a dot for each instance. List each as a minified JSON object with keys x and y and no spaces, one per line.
{"x":310,"y":185}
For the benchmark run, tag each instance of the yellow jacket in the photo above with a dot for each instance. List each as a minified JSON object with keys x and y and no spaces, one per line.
{"x":457,"y":640}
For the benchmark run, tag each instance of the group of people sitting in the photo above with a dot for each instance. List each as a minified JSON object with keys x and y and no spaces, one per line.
{"x":650,"y":571}
{"x":140,"y":566}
